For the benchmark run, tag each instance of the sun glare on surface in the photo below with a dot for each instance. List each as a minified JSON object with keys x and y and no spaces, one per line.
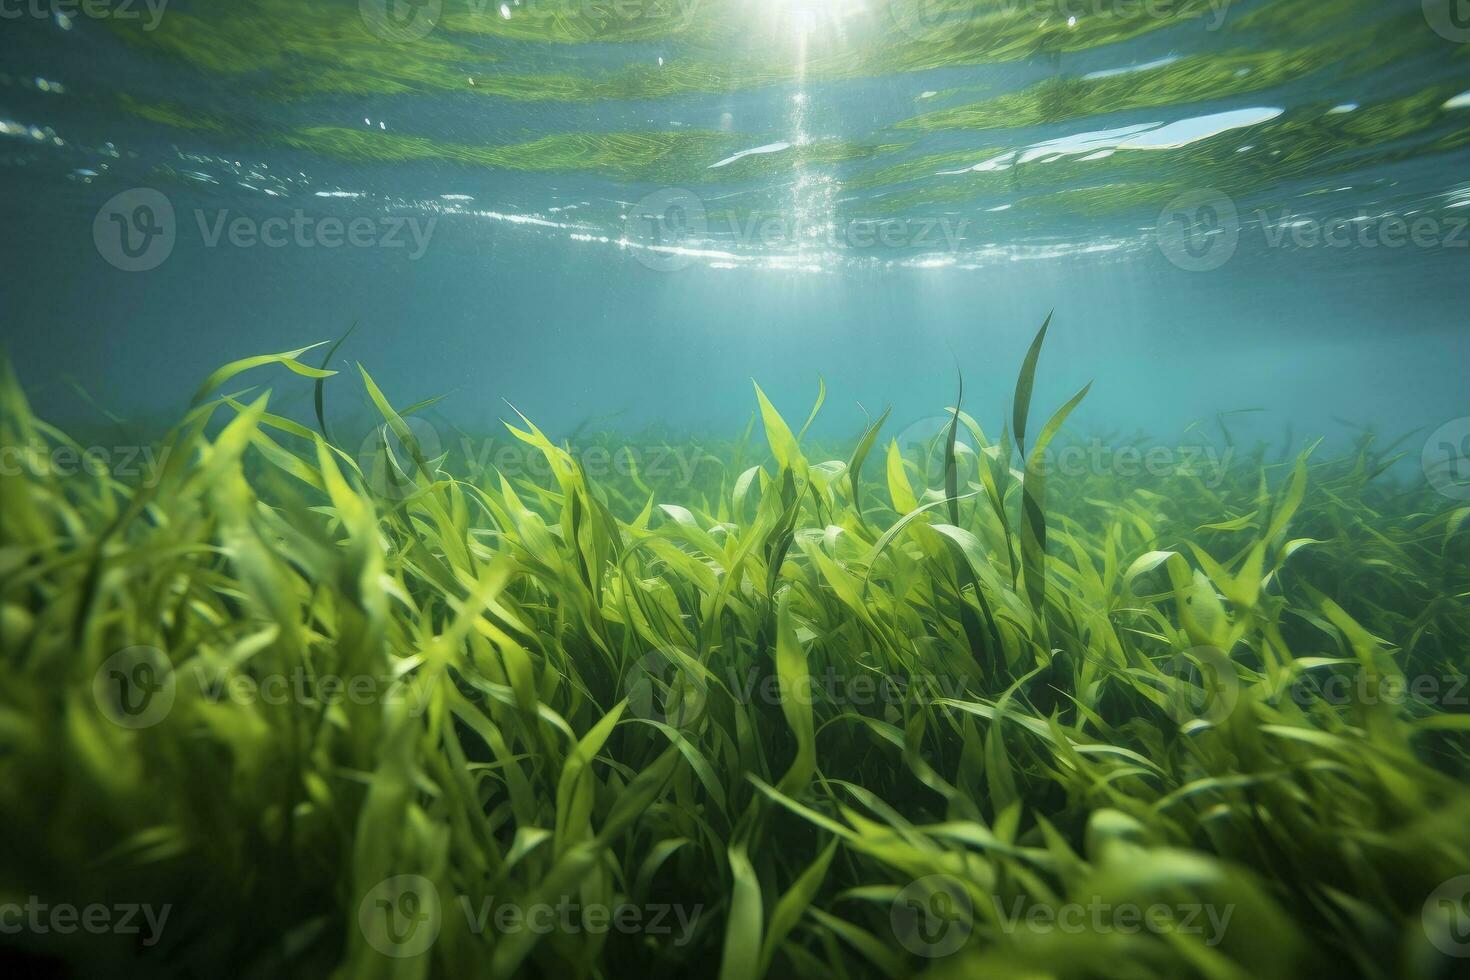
{"x":806,"y":25}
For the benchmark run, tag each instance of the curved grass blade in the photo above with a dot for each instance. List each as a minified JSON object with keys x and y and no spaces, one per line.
{"x":1022,"y":405}
{"x":859,"y":456}
{"x":1033,"y":508}
{"x":318,"y":397}
{"x":951,"y":471}
{"x":288,"y":360}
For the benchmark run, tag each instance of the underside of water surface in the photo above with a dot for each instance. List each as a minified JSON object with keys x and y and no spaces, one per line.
{"x":402,"y":576}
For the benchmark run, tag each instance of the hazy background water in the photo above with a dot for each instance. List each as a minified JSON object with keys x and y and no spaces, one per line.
{"x":558,"y":267}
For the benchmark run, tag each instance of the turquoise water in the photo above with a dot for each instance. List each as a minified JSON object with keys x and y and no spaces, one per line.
{"x":626,"y":212}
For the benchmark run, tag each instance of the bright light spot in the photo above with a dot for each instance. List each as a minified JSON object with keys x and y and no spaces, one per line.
{"x":505,"y":11}
{"x":768,"y":148}
{"x":1071,"y":21}
{"x":1147,"y":65}
{"x":1187,"y":131}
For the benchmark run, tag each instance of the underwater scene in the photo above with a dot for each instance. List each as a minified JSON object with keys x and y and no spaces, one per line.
{"x":741,"y":489}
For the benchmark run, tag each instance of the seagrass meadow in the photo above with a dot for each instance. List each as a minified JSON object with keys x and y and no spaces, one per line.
{"x":871,"y":710}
